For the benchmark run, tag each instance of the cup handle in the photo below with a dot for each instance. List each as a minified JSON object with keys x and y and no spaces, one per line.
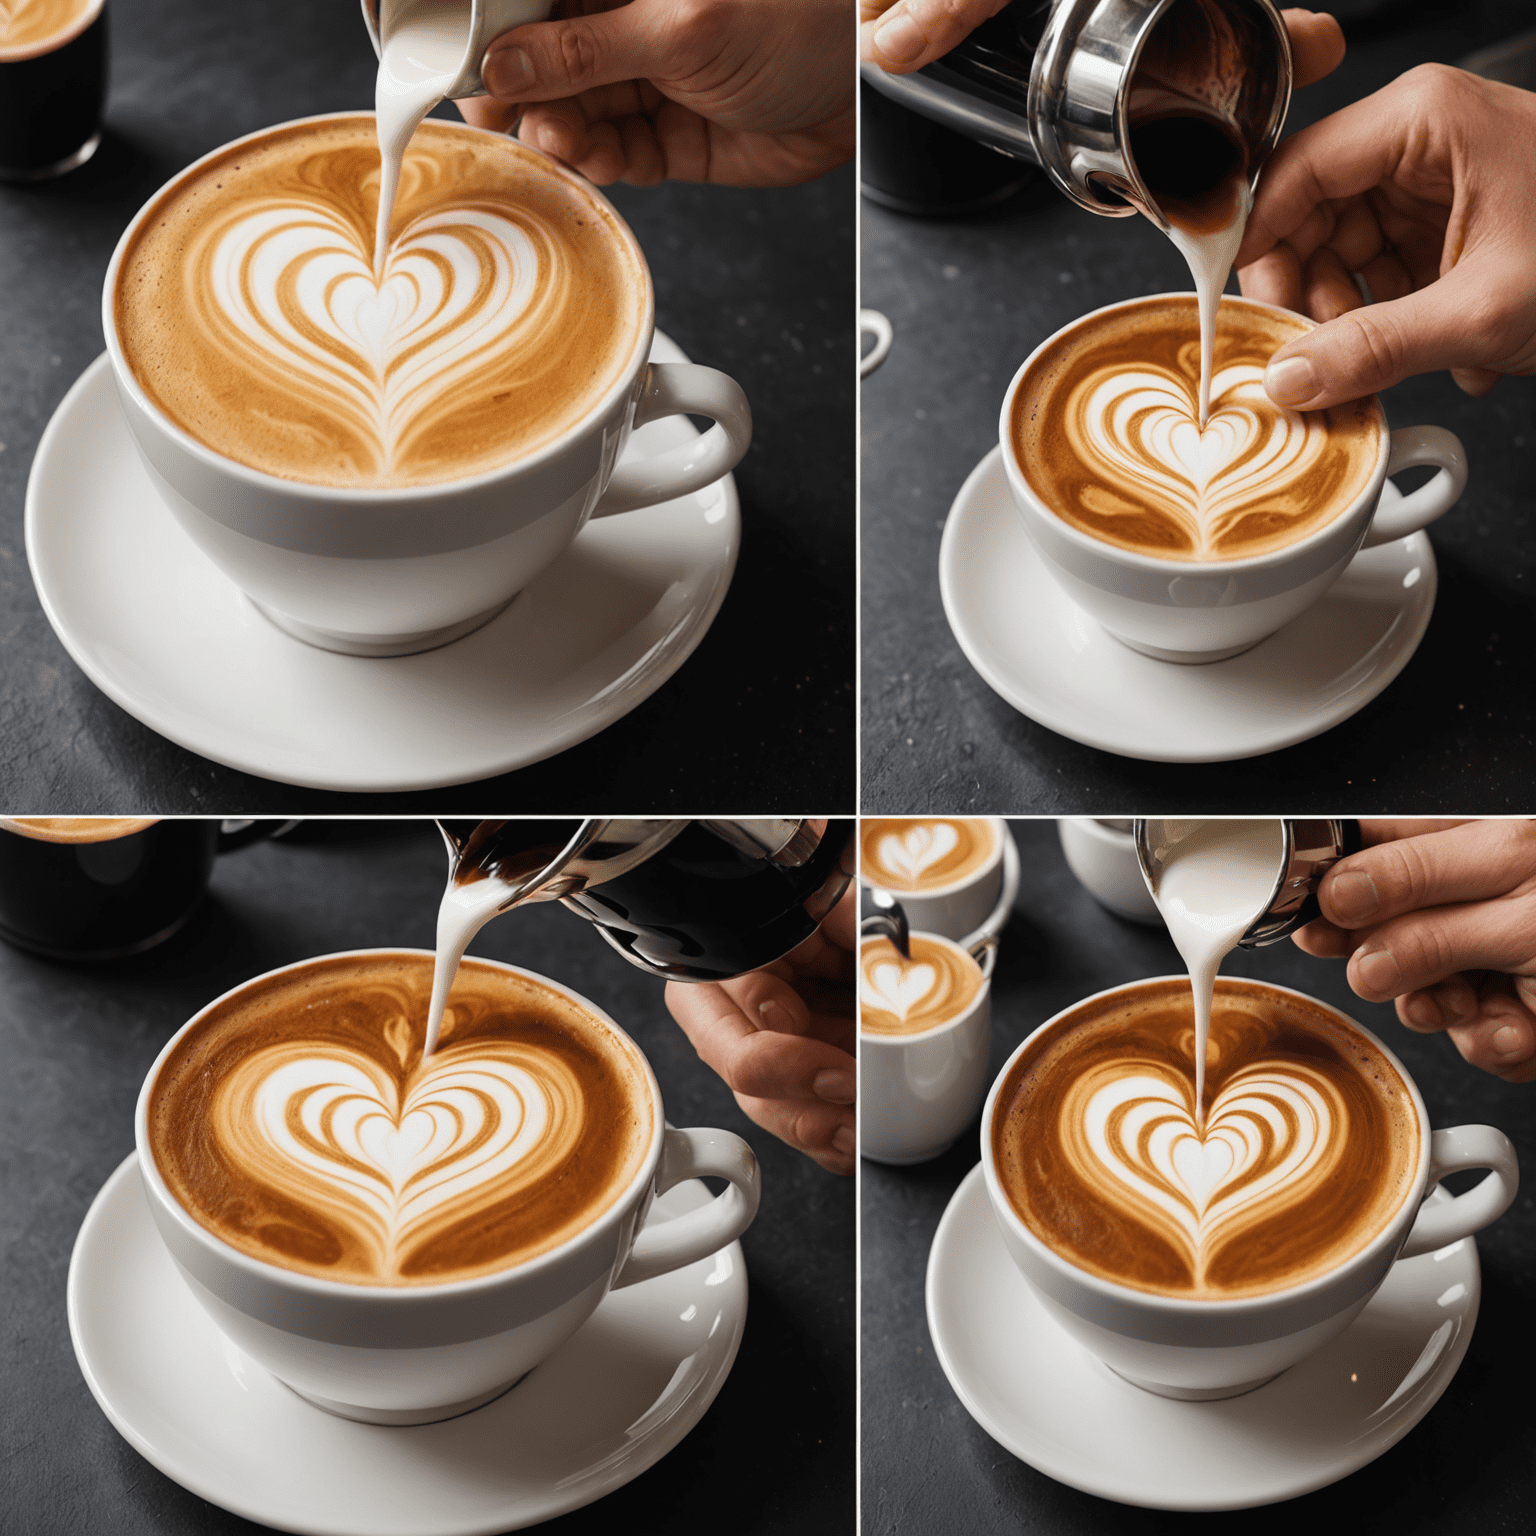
{"x":1418,"y":509}
{"x":873,"y":323}
{"x":665,"y":1245}
{"x":675,"y":389}
{"x":1467,"y":1146}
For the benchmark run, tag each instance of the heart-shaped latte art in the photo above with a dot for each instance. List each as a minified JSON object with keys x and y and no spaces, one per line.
{"x":331,"y":1129}
{"x":1140,"y":437}
{"x":899,"y":988}
{"x":293,"y":290}
{"x":912,"y":853}
{"x":1271,"y":1137}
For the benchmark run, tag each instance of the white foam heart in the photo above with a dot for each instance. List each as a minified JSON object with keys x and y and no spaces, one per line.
{"x":912,"y":853}
{"x":1142,"y":436}
{"x":899,"y":988}
{"x":336,"y":1126}
{"x":1267,"y":1133}
{"x":298,"y":288}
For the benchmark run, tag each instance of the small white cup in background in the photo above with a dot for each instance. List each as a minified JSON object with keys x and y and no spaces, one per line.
{"x":917,"y":1093}
{"x":1195,"y":1348}
{"x":1194,"y":611}
{"x":1102,"y":854}
{"x":958,"y":910}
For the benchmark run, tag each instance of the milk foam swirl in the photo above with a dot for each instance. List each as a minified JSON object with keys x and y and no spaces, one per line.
{"x":1273,"y":1134}
{"x":289,"y":293}
{"x":924,"y":854}
{"x":249,"y":311}
{"x":898,"y":997}
{"x":1106,"y":429}
{"x":1139,"y":430}
{"x":473,"y":1128}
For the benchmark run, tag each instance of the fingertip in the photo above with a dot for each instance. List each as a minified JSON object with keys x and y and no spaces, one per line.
{"x":1475,"y":381}
{"x":1291,"y":382}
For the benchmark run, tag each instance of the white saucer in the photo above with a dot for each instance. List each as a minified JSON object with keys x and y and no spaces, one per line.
{"x":1047,"y":658}
{"x":609,"y":1403}
{"x":1039,"y":1394}
{"x":164,"y":634}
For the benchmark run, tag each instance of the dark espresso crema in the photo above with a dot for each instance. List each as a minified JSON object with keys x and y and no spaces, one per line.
{"x":248,"y":309}
{"x":297,"y":1122}
{"x":1311,"y":1142}
{"x":1105,"y":427}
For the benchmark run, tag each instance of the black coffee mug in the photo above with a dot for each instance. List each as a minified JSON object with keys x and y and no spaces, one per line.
{"x":52,"y":90}
{"x":76,"y":891}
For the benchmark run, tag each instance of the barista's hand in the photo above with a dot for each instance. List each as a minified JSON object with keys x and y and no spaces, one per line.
{"x":745,"y":93}
{"x":782,"y":1038}
{"x":1423,"y":189}
{"x":1441,"y":915}
{"x":903,"y":35}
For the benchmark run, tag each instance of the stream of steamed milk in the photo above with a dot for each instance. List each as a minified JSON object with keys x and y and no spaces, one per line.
{"x":1210,"y":254}
{"x":1217,"y":878}
{"x":423,"y":46}
{"x":464,"y":911}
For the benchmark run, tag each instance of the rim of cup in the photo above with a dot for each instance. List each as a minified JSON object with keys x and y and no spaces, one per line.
{"x":396,"y":1295}
{"x":999,"y":831}
{"x":881,"y":1041}
{"x":353,"y":496}
{"x":1388,"y":1236}
{"x":1089,"y":544}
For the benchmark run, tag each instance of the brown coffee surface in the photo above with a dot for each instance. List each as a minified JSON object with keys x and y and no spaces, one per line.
{"x":905,"y":997}
{"x":1105,"y":428}
{"x":297,"y":1122}
{"x":76,"y":829}
{"x":249,"y":313}
{"x":30,"y":27}
{"x":924,"y":853}
{"x":1311,"y":1144}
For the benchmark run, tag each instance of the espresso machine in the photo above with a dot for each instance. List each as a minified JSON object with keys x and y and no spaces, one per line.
{"x":685,"y":900}
{"x":1073,"y":86}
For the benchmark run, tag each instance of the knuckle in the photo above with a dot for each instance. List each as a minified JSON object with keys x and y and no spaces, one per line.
{"x":579,"y":52}
{"x":1431,"y":88}
{"x":1378,"y":347}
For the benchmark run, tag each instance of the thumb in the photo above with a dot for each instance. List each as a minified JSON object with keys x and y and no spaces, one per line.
{"x":551,"y":60}
{"x":1369,"y":348}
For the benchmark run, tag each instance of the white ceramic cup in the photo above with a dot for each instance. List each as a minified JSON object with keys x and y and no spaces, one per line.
{"x":917,"y":1093}
{"x":1102,"y":854}
{"x":1179,"y":610}
{"x":415,"y":1354}
{"x":1198,"y":1349}
{"x":957,"y":910}
{"x":389,"y":572}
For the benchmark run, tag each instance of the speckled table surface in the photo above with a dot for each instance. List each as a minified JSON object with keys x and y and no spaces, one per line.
{"x":969,"y":299}
{"x":928,"y":1466}
{"x":758,"y":283}
{"x":77,"y":1042}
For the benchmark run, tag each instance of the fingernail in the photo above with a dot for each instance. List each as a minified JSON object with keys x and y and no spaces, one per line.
{"x":835,"y":1086}
{"x":900,"y":39}
{"x":1423,"y":1012}
{"x":1510,"y":1041}
{"x":1290,"y":381}
{"x":1377,"y":969}
{"x":1352,"y":895}
{"x":842,"y":1138}
{"x":551,"y":140}
{"x":506,"y":72}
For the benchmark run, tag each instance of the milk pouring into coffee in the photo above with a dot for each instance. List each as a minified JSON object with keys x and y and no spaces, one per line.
{"x":1217,"y":877}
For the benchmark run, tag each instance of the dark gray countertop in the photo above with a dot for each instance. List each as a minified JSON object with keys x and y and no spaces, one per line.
{"x":758,"y":283}
{"x":775,"y":1452}
{"x":969,"y":299}
{"x":928,"y":1466}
